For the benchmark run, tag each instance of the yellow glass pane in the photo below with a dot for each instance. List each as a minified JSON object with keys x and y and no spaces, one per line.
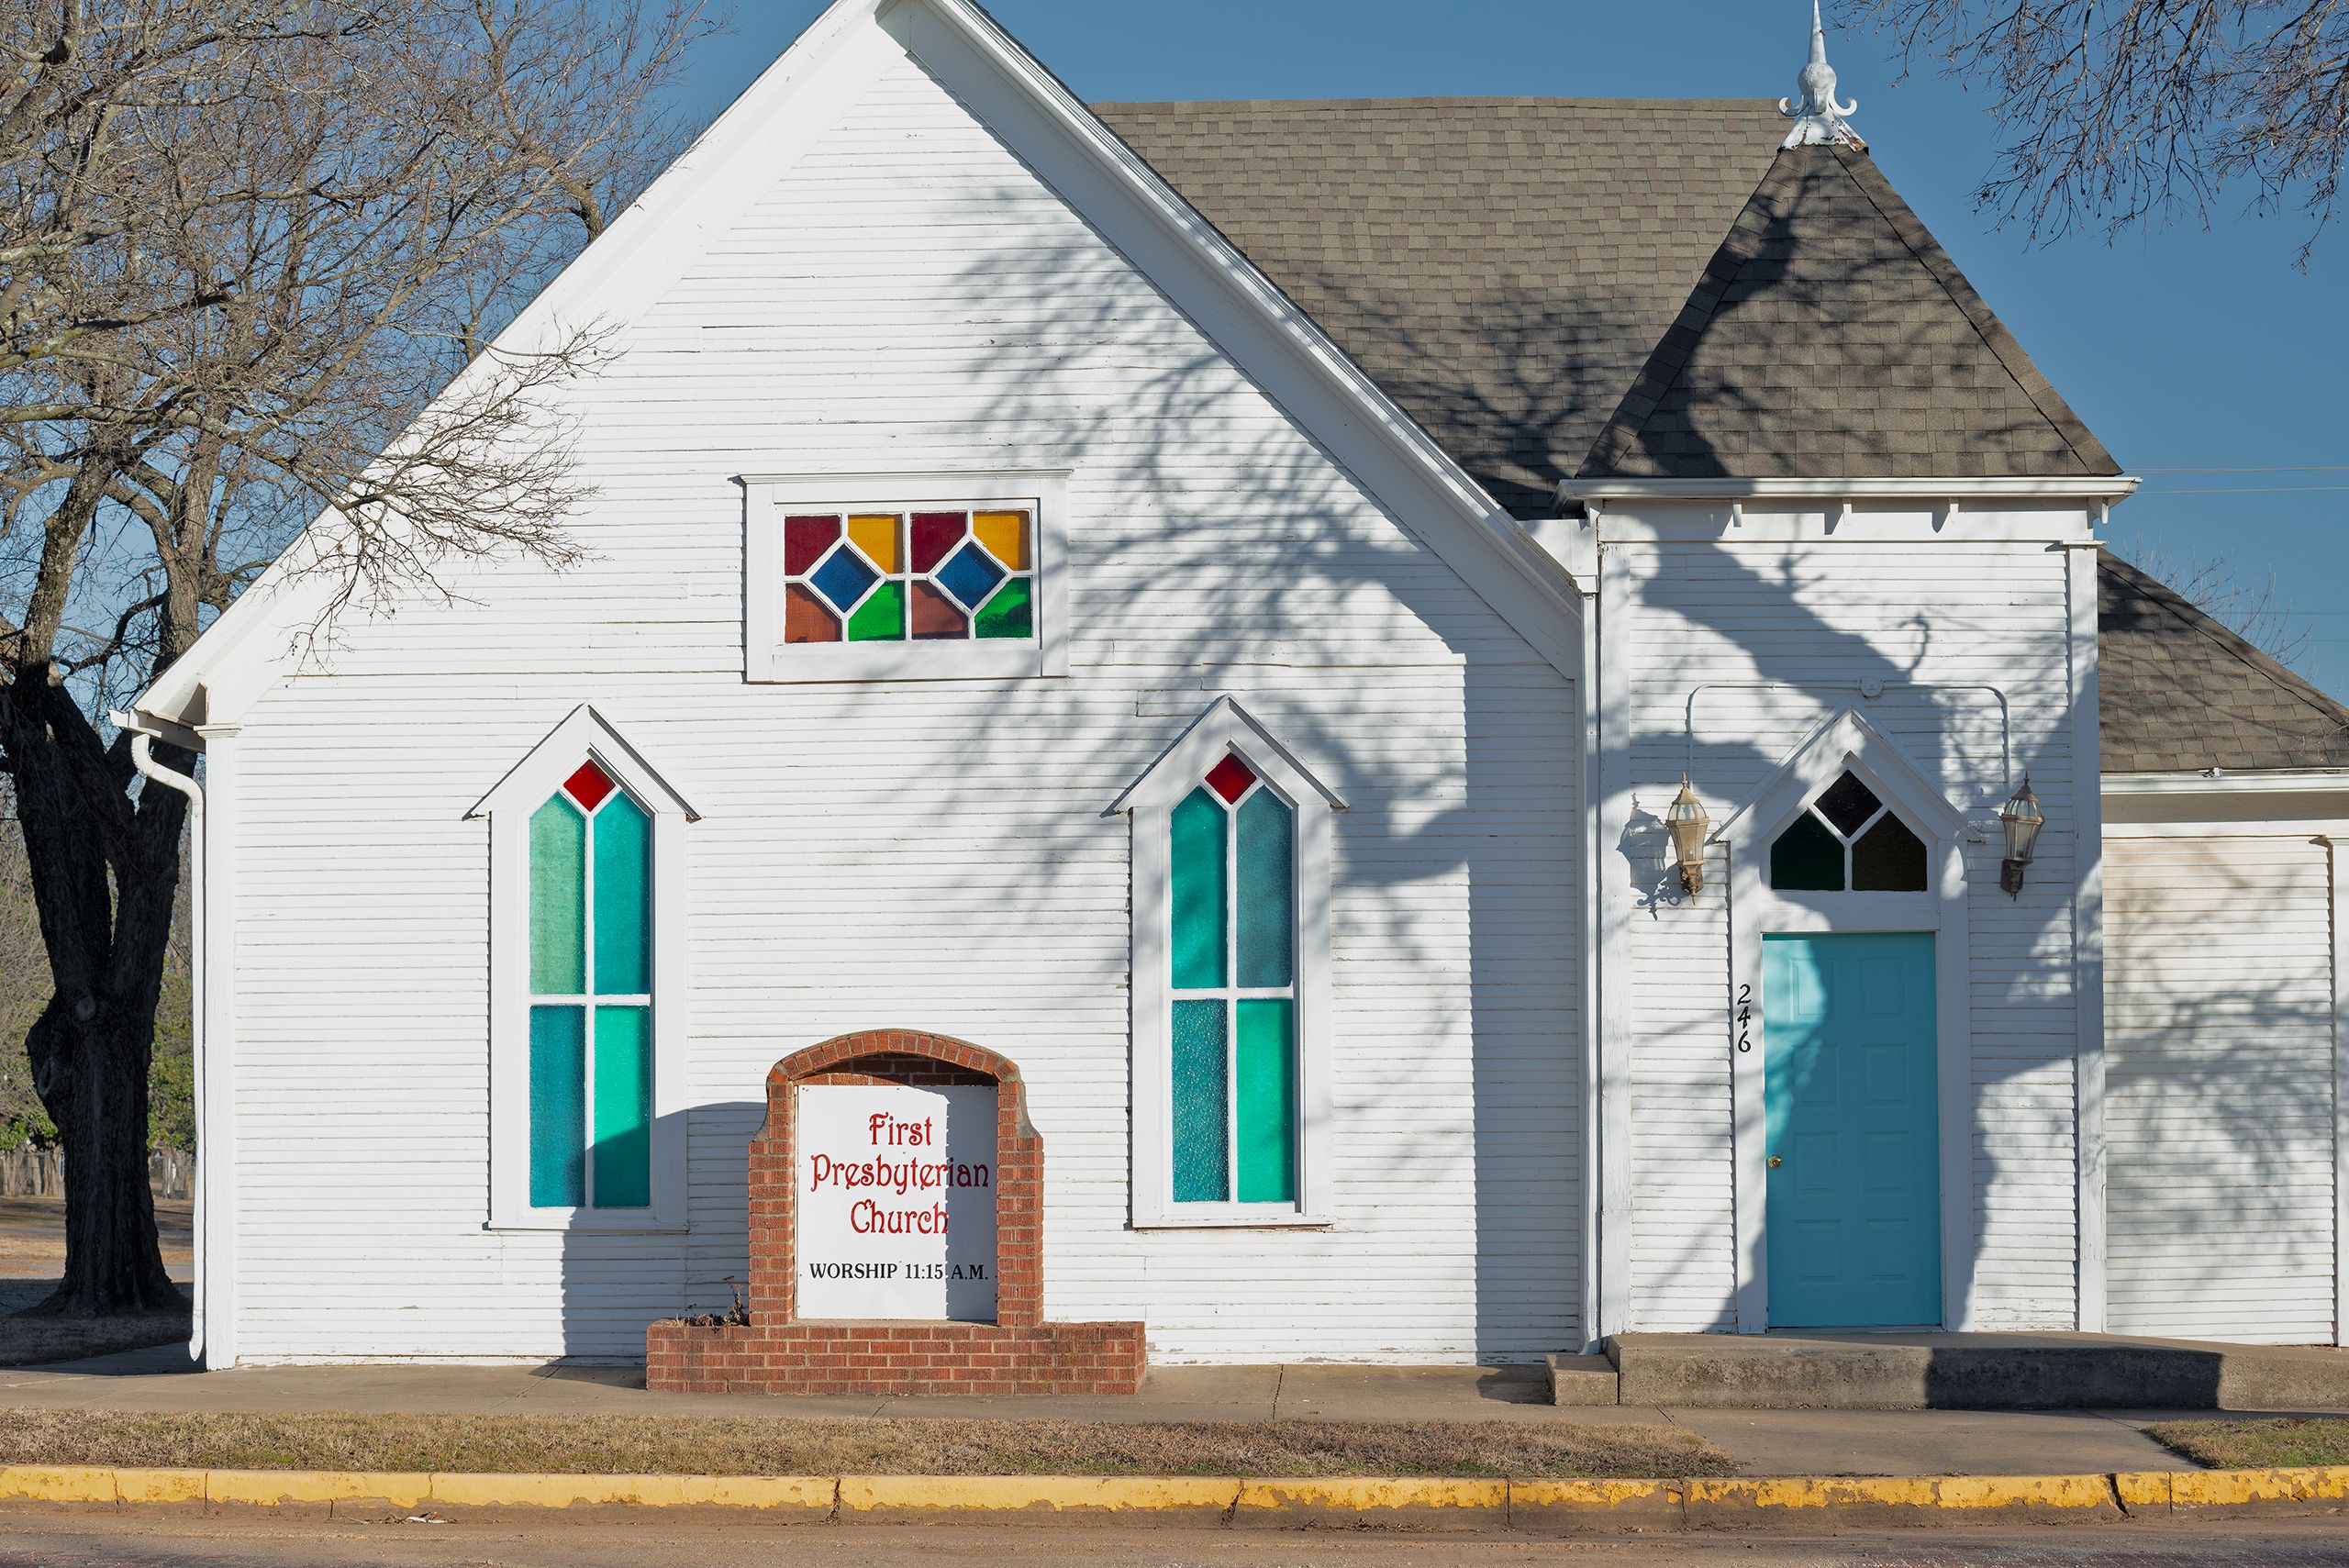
{"x":1006,"y":536}
{"x":877,"y":536}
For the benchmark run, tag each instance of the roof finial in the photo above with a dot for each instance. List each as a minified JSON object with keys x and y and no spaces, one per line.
{"x":1819,"y":121}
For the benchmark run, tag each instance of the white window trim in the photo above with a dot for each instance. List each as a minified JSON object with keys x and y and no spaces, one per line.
{"x":767,"y":498}
{"x":1150,"y":802}
{"x":509,"y":806}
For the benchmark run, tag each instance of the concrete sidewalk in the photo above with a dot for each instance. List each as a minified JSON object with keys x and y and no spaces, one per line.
{"x":1770,"y":1442}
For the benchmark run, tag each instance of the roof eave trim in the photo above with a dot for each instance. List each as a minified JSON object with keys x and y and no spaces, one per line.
{"x":2227,"y":781}
{"x":2091,"y":488}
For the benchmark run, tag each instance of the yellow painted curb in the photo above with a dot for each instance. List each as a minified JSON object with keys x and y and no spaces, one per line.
{"x":557,"y":1491}
{"x":2239,"y":1488}
{"x":280,"y":1488}
{"x":1353,"y":1497}
{"x":869,"y":1494}
{"x":1739,"y":1501}
{"x":58,"y":1483}
{"x":136,"y":1486}
{"x":2143,"y":1491}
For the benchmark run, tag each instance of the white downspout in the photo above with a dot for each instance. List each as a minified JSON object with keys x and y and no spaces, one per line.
{"x":142,"y":756}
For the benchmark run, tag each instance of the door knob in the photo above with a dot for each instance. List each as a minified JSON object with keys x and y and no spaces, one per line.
{"x":1776,"y":1162}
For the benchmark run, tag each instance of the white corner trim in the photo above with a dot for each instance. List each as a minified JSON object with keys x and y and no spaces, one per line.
{"x":2087,"y":944}
{"x":510,"y":808}
{"x":1843,"y":740}
{"x":2339,"y":876}
{"x":1149,"y":803}
{"x":2099,"y":487}
{"x":1617,"y":1199}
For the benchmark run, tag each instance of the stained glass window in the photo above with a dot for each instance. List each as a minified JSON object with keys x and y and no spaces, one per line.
{"x":591,"y":1001}
{"x":1848,"y":840}
{"x":1233,"y":920}
{"x":898,"y":576}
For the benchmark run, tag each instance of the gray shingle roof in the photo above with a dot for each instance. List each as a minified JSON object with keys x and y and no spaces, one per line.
{"x":1830,"y":336}
{"x":1501,"y":267}
{"x":2182,"y":693}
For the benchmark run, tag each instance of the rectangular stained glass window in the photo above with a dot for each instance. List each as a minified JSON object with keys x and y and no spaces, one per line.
{"x":558,"y":1107}
{"x":1198,"y":892}
{"x":623,"y":1149}
{"x":1202,"y":1103}
{"x":959,"y":575}
{"x":558,"y":900}
{"x":1264,"y":1054}
{"x":1266,"y":903}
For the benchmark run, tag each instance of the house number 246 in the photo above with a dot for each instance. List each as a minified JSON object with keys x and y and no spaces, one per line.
{"x":1745,"y":1018}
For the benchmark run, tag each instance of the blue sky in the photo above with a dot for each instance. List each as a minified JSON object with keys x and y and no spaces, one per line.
{"x":2185,"y":347}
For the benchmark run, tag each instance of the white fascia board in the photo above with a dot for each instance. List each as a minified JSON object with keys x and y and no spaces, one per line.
{"x":2282,"y":780}
{"x":1222,"y":726}
{"x":606,"y":286}
{"x":2099,"y":487}
{"x":1248,"y":316}
{"x":1845,"y":740}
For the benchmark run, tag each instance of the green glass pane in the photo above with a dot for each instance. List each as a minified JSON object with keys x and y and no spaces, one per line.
{"x":1011,"y":613}
{"x":1201,"y":1163}
{"x":623,"y":1107}
{"x":1265,"y":857}
{"x":558,"y":1107}
{"x":623,"y":899}
{"x":1808,"y":858}
{"x":1198,"y":890}
{"x":1888,"y":858}
{"x":1264,"y":1074}
{"x":882,"y":617}
{"x":558,"y":900}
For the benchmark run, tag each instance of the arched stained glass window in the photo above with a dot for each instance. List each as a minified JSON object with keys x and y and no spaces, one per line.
{"x":591,"y":996}
{"x":1232,"y":1032}
{"x":1848,"y":840}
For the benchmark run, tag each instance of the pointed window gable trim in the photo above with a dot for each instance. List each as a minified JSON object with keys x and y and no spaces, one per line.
{"x":587,"y":982}
{"x":1229,"y":950}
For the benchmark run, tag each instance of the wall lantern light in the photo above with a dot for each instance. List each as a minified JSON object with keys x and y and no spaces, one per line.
{"x":2022,"y":820}
{"x":1687,"y":821}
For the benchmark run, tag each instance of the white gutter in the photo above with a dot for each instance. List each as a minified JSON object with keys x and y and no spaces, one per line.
{"x":2111,"y":486}
{"x":2218,"y":781}
{"x":142,"y":756}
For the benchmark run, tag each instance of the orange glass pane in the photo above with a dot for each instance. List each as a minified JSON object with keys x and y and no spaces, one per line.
{"x":1005,"y":534}
{"x":877,"y":536}
{"x":936,"y":616}
{"x":805,"y":618}
{"x":588,"y":787}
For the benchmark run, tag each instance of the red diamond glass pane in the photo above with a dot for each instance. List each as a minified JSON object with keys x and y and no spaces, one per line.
{"x":935,"y":533}
{"x":804,"y":540}
{"x":589,"y":785}
{"x":1231,"y":778}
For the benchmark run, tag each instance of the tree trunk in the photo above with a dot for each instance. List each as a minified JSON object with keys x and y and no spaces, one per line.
{"x":105,"y":876}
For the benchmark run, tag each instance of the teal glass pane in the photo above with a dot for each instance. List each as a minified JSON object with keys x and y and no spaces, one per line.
{"x":1264,"y":861}
{"x":623,"y":1107}
{"x":1264,"y":1074}
{"x":558,"y":900}
{"x":1201,"y":1163}
{"x":1808,"y":858}
{"x":623,"y":899}
{"x":558,"y":1107}
{"x":1196,"y":854}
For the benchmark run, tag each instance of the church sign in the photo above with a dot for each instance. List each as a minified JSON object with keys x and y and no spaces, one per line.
{"x":896,"y":1201}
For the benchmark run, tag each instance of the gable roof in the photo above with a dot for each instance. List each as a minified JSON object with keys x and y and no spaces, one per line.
{"x":1500,"y":267}
{"x":1831,"y":336}
{"x":2180,"y":692}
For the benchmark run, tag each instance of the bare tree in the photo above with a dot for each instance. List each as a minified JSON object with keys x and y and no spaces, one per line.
{"x":2131,"y":109}
{"x":2253,"y":608}
{"x":247,"y":244}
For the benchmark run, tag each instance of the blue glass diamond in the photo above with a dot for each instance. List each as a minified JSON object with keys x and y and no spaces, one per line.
{"x":969,"y":575}
{"x":843,"y":578}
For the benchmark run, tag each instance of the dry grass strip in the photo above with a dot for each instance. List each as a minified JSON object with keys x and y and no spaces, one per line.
{"x":704,"y":1445}
{"x":2266,"y":1443}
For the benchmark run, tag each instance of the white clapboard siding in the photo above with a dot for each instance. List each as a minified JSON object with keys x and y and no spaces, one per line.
{"x":931,"y":855}
{"x":1821,"y":618}
{"x":2219,"y":1085}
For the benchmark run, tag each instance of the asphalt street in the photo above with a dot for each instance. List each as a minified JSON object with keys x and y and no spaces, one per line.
{"x":58,"y":1539}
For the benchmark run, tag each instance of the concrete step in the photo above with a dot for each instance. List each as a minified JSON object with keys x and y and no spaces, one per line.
{"x":1581,"y":1380}
{"x":1972,"y":1372}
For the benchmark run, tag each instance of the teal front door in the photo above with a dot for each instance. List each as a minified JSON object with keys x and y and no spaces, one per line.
{"x":1853,"y":1176}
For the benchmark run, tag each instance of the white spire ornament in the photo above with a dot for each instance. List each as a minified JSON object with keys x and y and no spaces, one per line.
{"x":1819,"y":121}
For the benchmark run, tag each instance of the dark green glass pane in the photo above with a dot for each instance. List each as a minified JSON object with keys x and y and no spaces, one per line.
{"x":1201,"y":1163}
{"x":1888,"y":859}
{"x":558,"y":900}
{"x":882,"y":617}
{"x":1808,"y":858}
{"x":1265,"y":1072}
{"x":1011,"y":612}
{"x":623,"y":1107}
{"x":558,"y":1107}
{"x":1847,"y":802}
{"x":623,"y":899}
{"x":1197,"y":874}
{"x":1265,"y":913}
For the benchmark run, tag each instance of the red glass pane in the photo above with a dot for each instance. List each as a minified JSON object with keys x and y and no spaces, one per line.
{"x":936,"y":616}
{"x":589,"y":785}
{"x":935,"y":533}
{"x":1231,"y":778}
{"x":804,"y":540}
{"x":805,"y":618}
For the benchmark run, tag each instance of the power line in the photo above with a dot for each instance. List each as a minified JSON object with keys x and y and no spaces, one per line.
{"x":2276,"y":468}
{"x":2252,"y":490}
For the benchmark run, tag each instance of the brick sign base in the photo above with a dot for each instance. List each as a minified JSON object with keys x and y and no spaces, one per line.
{"x":778,"y":1352}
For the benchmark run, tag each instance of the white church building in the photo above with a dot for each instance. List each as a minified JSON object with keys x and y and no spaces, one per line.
{"x":1224,"y":606}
